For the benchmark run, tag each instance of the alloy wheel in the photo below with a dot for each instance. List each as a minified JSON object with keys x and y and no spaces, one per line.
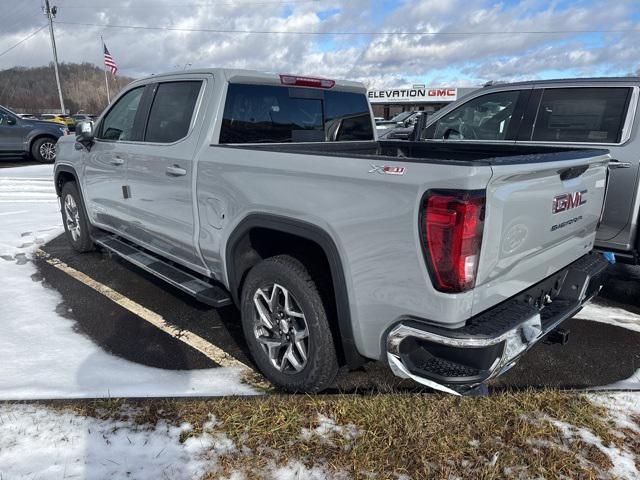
{"x":48,"y":151}
{"x":72,"y":217}
{"x":280,"y":327}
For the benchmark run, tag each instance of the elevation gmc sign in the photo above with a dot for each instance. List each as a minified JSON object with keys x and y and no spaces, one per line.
{"x":413,"y":95}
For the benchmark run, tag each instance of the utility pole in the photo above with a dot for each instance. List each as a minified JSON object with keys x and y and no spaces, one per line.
{"x":50,"y":13}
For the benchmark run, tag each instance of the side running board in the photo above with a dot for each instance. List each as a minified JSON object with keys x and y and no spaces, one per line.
{"x":207,"y":293}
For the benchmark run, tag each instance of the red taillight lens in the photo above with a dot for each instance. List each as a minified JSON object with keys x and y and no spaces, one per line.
{"x":312,"y":82}
{"x":452,"y":234}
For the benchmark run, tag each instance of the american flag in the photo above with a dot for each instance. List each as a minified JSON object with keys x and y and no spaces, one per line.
{"x":109,"y":62}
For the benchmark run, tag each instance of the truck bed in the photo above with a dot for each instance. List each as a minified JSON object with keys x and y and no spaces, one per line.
{"x":467,"y":153}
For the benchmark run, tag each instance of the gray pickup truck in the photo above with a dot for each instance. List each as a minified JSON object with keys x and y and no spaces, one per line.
{"x":273,"y":193}
{"x":580,"y":112}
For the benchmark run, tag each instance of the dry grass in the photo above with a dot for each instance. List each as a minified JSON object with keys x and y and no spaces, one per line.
{"x":421,"y":436}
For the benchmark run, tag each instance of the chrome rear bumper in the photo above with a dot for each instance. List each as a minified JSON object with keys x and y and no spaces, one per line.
{"x":458,"y":360}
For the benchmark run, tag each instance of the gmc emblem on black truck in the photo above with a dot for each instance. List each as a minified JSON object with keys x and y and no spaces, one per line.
{"x":567,"y":201}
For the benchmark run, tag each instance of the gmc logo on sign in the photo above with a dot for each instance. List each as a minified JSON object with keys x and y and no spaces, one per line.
{"x":568,"y":201}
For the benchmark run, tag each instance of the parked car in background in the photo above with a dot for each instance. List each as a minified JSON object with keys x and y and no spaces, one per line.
{"x":29,"y":116}
{"x":585,"y":113}
{"x":272,"y":192}
{"x":396,"y":121}
{"x":404,"y":130}
{"x":28,"y":137}
{"x":62,"y":119}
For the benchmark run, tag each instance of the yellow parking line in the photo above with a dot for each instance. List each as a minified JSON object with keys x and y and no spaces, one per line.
{"x":194,"y":341}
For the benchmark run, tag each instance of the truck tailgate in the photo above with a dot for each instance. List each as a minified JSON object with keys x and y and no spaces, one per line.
{"x":541,"y":215}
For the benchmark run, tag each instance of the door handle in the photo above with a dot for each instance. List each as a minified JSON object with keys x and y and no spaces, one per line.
{"x":615,"y":164}
{"x":176,"y":171}
{"x":117,"y":161}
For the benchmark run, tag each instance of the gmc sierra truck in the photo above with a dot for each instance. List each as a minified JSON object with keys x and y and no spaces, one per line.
{"x":271,"y":192}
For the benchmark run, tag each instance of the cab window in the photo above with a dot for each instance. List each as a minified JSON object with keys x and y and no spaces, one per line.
{"x":586,"y":115}
{"x":118,"y":123}
{"x":172,"y":111}
{"x":483,"y":118}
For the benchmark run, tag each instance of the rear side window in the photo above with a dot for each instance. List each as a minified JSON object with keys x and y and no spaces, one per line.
{"x":587,"y":115}
{"x":171,"y":111}
{"x":272,"y":114}
{"x":118,"y":124}
{"x":483,"y":118}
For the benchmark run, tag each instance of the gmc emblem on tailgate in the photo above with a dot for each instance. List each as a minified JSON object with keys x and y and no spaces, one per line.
{"x":568,"y":201}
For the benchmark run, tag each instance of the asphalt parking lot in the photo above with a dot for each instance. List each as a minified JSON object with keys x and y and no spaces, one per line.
{"x":597,"y":353}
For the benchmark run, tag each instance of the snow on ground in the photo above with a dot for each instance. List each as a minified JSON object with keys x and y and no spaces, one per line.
{"x":623,"y":461}
{"x":36,"y":442}
{"x":39,"y":442}
{"x":631,"y":383}
{"x":611,"y":315}
{"x":622,"y":406}
{"x":41,"y":356}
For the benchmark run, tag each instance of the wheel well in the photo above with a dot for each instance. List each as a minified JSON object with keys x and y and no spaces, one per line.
{"x":62,"y":178}
{"x":258,"y":243}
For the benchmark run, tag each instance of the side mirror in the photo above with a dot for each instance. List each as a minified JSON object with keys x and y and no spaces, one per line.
{"x":84,"y":133}
{"x":11,"y":121}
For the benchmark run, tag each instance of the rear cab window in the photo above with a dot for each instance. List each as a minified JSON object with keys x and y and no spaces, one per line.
{"x":281,"y":114}
{"x":581,"y":115}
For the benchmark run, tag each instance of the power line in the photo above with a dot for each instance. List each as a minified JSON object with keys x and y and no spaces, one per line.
{"x":197,"y":4}
{"x":467,"y":33}
{"x":24,"y":39}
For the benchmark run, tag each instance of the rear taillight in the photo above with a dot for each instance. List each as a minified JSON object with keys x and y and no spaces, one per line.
{"x":452,"y":226}
{"x":312,"y":82}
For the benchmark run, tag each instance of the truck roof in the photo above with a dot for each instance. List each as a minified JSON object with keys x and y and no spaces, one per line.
{"x":233,"y":75}
{"x":567,"y":81}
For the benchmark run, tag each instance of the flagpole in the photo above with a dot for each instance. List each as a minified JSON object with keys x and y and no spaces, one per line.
{"x":106,"y":76}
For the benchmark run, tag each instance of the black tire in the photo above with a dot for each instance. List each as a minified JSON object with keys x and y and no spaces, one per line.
{"x":321,"y":359}
{"x":41,"y":150}
{"x":80,"y":238}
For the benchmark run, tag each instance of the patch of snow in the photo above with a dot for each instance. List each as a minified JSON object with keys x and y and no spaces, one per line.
{"x":327,"y":428}
{"x":611,"y":315}
{"x":41,"y":356}
{"x":623,"y":461}
{"x":36,"y":442}
{"x":621,"y":407}
{"x":631,"y":383}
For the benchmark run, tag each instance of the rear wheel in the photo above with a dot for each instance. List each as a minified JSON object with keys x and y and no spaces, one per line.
{"x":44,"y":150}
{"x":286,"y":327}
{"x":74,"y":218}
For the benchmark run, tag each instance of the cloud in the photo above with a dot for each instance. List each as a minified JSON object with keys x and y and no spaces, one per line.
{"x":379,"y":60}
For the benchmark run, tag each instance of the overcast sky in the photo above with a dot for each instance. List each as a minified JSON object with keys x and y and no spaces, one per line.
{"x":386,"y":60}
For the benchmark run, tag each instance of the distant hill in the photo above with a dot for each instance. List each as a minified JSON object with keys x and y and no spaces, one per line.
{"x":34,"y":90}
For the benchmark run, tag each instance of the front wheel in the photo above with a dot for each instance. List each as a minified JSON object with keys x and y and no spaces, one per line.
{"x":43,"y":150}
{"x":74,"y":218}
{"x":286,"y":326}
